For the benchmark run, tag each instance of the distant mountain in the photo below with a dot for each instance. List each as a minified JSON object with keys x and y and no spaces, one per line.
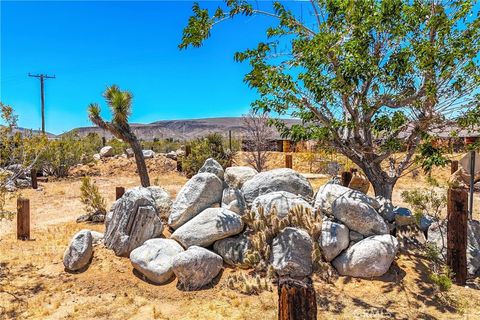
{"x":33,"y":132}
{"x":182,"y":129}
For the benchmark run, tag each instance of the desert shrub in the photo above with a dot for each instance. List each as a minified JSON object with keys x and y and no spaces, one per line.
{"x":118,"y":146}
{"x":442,"y":279}
{"x":425,"y":201}
{"x":161,"y":145}
{"x":267,"y":226}
{"x":63,"y":153}
{"x":247,"y":284}
{"x":91,"y":198}
{"x":211,"y":146}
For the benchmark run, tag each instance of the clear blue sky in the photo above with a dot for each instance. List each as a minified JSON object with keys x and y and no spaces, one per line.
{"x":89,"y":45}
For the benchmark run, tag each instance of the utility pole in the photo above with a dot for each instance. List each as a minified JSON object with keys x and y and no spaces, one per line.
{"x":42,"y":77}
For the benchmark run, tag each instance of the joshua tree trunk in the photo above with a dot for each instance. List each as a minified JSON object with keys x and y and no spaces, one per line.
{"x":140,"y":160}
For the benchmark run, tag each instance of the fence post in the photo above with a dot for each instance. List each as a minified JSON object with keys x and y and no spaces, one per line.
{"x":453,"y":166}
{"x":296,"y":299}
{"x":33,"y":176}
{"x":119,"y":191}
{"x":288,"y":161}
{"x":457,"y":217}
{"x":23,"y":219}
{"x":188,"y":150}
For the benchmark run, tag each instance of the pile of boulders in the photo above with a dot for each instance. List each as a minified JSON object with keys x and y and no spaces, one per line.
{"x":17,"y":177}
{"x":208,"y":229}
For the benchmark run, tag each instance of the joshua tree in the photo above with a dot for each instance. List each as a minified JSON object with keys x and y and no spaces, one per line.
{"x":120,"y":103}
{"x":257,"y":133}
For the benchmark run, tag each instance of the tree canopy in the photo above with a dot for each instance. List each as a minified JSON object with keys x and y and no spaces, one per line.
{"x":370,"y":78}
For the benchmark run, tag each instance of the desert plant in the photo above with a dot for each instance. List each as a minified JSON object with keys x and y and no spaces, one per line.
{"x":257,"y":136}
{"x":247,"y":284}
{"x":266,"y":226}
{"x":120,"y":103}
{"x":91,"y":198}
{"x":211,"y":146}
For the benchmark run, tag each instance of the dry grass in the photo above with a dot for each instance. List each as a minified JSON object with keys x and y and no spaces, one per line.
{"x":34,"y":284}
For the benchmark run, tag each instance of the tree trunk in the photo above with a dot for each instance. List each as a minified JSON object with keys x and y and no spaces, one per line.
{"x":382,"y":184}
{"x":296,"y":299}
{"x":140,"y":160}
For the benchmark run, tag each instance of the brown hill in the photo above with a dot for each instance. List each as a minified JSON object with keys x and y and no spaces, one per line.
{"x":182,"y":129}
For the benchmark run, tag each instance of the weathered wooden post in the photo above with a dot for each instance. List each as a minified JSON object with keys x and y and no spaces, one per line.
{"x":23,"y":219}
{"x":104,"y":141}
{"x":33,"y":176}
{"x":288,"y":161}
{"x":453,"y":166}
{"x":188,"y":150}
{"x":119,"y":191}
{"x":457,"y":219}
{"x":346,"y":178}
{"x":296,"y":299}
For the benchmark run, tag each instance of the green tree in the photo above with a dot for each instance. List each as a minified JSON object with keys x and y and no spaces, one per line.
{"x":120,"y":103}
{"x":370,"y":78}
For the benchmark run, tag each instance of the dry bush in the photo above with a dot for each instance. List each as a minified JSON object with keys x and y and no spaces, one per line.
{"x":91,"y":197}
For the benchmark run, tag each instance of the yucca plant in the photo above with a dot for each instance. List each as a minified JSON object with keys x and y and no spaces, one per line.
{"x":120,"y":103}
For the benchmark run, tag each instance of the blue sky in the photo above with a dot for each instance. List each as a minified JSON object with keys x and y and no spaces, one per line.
{"x":89,"y":45}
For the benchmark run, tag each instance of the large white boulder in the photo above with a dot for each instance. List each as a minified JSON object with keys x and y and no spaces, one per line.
{"x":106,"y":151}
{"x":328,"y":193}
{"x":148,"y":154}
{"x":359,"y":216}
{"x":79,"y":251}
{"x":211,"y":165}
{"x":234,"y":249}
{"x":276,"y":180}
{"x":208,"y":226}
{"x":154,"y":258}
{"x":370,"y":257}
{"x":292,"y":253}
{"x":282,"y":201}
{"x":196,"y":267}
{"x":437,"y":234}
{"x":235,"y":177}
{"x":135,"y":218}
{"x":201,"y":192}
{"x":233,"y":200}
{"x":334,"y":238}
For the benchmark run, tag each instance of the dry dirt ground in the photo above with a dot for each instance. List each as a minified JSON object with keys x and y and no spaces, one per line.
{"x":34,"y":284}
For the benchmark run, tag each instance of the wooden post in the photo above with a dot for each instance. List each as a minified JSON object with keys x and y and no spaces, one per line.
{"x":33,"y":176}
{"x":119,"y":191}
{"x":188,"y":150}
{"x":179,"y":164}
{"x":457,"y":215}
{"x":346,"y":178}
{"x":104,"y":141}
{"x":296,"y":299}
{"x":230,"y":139}
{"x":453,"y":166}
{"x":23,"y":219}
{"x":288,"y":161}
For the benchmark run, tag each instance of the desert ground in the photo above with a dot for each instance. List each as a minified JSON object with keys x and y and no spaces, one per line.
{"x":34,"y":284}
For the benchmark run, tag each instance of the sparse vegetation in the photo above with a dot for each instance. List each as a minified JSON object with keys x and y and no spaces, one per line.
{"x":211,"y":146}
{"x":91,"y":197}
{"x":258,"y":134}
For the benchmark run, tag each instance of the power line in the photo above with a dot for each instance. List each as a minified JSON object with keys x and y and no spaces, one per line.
{"x":42,"y":77}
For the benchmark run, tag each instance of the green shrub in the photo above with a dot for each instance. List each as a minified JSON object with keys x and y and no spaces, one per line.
{"x":91,"y":198}
{"x":442,"y":280}
{"x":118,"y":146}
{"x":211,"y":146}
{"x":161,"y":146}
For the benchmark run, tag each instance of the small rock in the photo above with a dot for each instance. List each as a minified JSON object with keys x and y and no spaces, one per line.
{"x":79,"y":251}
{"x":154,"y":259}
{"x":148,"y":154}
{"x":172,"y":155}
{"x":235,"y":177}
{"x":97,"y":237}
{"x":368,"y":258}
{"x":425,"y":222}
{"x":403,"y":217}
{"x":212,"y":166}
{"x":96,"y":157}
{"x":207,"y":227}
{"x":106,"y":151}
{"x":196,"y":267}
{"x":292,"y":253}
